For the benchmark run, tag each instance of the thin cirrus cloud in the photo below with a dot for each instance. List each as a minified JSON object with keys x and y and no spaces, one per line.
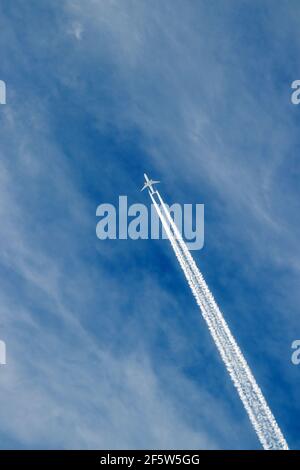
{"x":97,"y":358}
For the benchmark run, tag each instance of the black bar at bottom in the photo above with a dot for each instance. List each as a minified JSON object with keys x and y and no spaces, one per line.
{"x":135,"y":458}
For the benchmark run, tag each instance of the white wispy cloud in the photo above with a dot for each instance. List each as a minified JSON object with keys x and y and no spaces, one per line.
{"x":177,"y":76}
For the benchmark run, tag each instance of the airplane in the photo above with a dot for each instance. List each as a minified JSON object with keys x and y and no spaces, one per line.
{"x":149,"y":184}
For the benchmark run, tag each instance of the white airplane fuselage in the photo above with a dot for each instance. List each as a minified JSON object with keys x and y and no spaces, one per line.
{"x":149,"y":184}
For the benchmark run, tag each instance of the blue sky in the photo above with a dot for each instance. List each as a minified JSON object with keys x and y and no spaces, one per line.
{"x":105,"y":345}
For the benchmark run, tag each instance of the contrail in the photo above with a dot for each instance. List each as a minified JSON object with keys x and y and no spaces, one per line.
{"x":252,"y":398}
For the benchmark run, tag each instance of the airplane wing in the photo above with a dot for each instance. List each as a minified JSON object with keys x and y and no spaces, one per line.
{"x":144,"y":187}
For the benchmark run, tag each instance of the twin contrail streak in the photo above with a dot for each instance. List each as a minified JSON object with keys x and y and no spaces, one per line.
{"x":252,"y":398}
